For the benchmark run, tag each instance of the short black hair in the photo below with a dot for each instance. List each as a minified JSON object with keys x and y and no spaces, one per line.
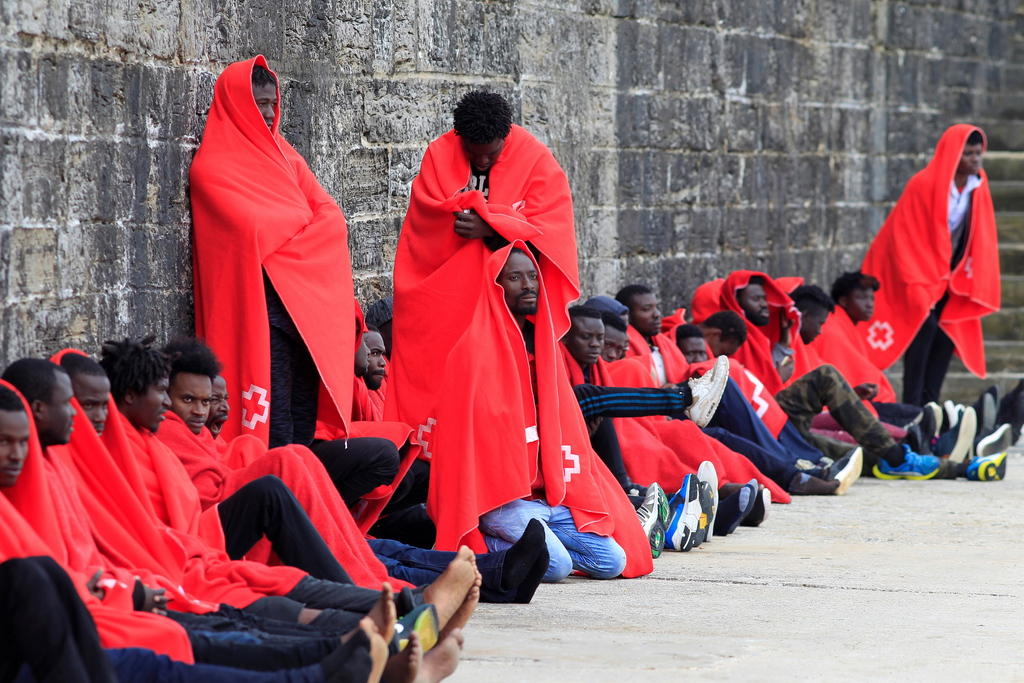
{"x":688,"y":332}
{"x":584,"y":312}
{"x":611,"y":320}
{"x":625,"y":295}
{"x":133,"y":365}
{"x":482,"y":117}
{"x":809,"y":296}
{"x":846,"y":283}
{"x":975,"y":138}
{"x":756,"y":280}
{"x":76,"y":364}
{"x":731,"y":325}
{"x":188,"y":354}
{"x":261,"y":76}
{"x":35,"y":378}
{"x":10,"y":402}
{"x":372,"y":328}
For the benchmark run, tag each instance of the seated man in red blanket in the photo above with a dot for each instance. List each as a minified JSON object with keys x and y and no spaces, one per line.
{"x":508,"y":575}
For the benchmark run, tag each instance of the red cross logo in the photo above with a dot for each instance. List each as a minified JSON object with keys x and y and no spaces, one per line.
{"x":881,"y":335}
{"x":757,"y":399}
{"x":421,"y":436}
{"x":573,"y":460}
{"x":254,"y":414}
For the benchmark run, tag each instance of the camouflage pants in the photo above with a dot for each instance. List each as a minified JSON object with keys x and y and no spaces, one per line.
{"x":822,"y":388}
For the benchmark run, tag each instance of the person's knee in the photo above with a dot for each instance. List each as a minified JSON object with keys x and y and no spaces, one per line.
{"x":269,"y":488}
{"x":559,"y":561}
{"x":380,"y":454}
{"x":612,"y":561}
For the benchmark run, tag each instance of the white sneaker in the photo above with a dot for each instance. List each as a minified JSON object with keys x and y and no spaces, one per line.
{"x":967,"y":428}
{"x":707,"y":474}
{"x":707,"y":392}
{"x":997,"y":442}
{"x":850,"y":472}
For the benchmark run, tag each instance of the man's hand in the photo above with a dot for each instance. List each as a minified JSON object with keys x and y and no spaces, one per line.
{"x":155,"y":600}
{"x":93,"y":585}
{"x":866,"y":391}
{"x":785,"y":330}
{"x":469,"y":225}
{"x":786,"y":368}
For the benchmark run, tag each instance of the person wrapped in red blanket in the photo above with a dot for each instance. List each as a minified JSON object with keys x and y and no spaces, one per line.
{"x":937,"y":260}
{"x":462,"y":370}
{"x":273,"y":286}
{"x":119,"y":625}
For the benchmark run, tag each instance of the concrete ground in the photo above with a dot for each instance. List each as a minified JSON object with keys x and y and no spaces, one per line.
{"x":896,"y":580}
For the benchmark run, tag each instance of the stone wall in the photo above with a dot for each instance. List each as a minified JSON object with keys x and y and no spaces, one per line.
{"x":699,"y":135}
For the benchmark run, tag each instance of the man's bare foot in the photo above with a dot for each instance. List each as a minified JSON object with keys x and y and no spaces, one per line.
{"x":378,"y":650}
{"x":441,"y":661}
{"x":384,"y":613}
{"x":465,"y":610}
{"x":448,"y":591}
{"x":405,"y":666}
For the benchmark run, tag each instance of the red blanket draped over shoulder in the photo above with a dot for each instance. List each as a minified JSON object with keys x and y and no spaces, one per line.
{"x":842,"y":344}
{"x":297,"y":467}
{"x":911,"y":257}
{"x":460,"y":372}
{"x":41,"y":535}
{"x":676,"y":368}
{"x":256,"y":207}
{"x":756,"y":353}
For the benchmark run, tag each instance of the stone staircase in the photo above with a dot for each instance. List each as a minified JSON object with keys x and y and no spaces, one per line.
{"x":1004,"y":331}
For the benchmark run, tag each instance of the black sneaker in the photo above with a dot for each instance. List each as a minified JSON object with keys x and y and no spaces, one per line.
{"x":735,"y":508}
{"x":762,"y":506}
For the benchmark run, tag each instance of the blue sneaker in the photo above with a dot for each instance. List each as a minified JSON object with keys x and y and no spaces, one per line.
{"x":684,"y":521}
{"x":987,"y":467}
{"x":915,"y":466}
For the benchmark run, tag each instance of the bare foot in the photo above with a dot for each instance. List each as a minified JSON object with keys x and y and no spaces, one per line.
{"x":441,"y":661}
{"x":384,"y":613}
{"x":465,"y":610}
{"x":405,"y":666}
{"x":448,"y":591}
{"x":378,"y":650}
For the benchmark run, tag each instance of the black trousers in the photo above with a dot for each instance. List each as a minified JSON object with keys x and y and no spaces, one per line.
{"x":357,"y":466}
{"x":267,"y":507}
{"x":294,"y":386}
{"x":45,"y":626}
{"x":926,"y":360}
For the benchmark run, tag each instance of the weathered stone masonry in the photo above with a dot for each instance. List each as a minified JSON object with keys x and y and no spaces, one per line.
{"x":699,"y":135}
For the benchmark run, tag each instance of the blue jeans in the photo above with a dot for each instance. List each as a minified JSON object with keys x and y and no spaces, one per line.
{"x":133,"y":664}
{"x":599,"y":557}
{"x":776,"y":458}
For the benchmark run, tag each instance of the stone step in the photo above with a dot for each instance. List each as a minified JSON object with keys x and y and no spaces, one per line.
{"x":1013,"y":293}
{"x":963,"y":387}
{"x":1010,"y":225}
{"x":1007,"y":134}
{"x":1000,"y":357}
{"x":1004,"y":325}
{"x":1004,"y":165}
{"x":1011,"y":257}
{"x":1008,"y":195}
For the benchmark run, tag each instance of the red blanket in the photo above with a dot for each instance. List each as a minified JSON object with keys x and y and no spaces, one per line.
{"x":676,"y":368}
{"x":297,"y":467}
{"x":842,"y":344}
{"x":460,"y":370}
{"x":118,"y":625}
{"x":756,"y":353}
{"x":911,"y":254}
{"x":256,"y":207}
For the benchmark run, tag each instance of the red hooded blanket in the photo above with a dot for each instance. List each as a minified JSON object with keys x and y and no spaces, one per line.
{"x":911,"y":257}
{"x":118,"y":625}
{"x":756,"y":353}
{"x":256,"y":207}
{"x":461,"y":371}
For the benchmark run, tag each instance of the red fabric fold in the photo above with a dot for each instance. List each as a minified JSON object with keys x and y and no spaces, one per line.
{"x":256,"y":207}
{"x":911,"y":257}
{"x":842,"y":344}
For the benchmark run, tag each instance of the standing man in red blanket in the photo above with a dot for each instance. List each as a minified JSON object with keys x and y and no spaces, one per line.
{"x":490,"y":396}
{"x":937,"y":260}
{"x":273,"y":285}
